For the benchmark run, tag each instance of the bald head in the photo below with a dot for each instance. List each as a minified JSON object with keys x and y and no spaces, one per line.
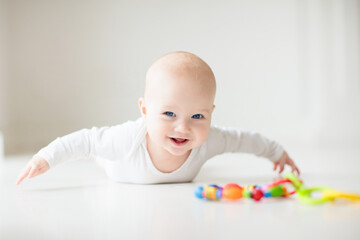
{"x":182,"y":69}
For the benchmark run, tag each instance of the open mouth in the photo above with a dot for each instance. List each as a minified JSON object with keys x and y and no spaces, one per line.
{"x":179,"y":141}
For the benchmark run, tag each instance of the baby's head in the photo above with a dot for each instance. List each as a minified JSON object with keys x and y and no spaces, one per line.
{"x":178,"y":102}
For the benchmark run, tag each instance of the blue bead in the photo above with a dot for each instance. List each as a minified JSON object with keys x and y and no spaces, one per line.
{"x":267,"y":194}
{"x":198,"y":192}
{"x":219,"y":193}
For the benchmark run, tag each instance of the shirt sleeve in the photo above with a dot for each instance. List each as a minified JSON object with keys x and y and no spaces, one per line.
{"x":107,"y":142}
{"x":223,"y":140}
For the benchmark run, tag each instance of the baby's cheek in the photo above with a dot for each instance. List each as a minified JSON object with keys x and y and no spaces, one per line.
{"x":151,"y":127}
{"x":203,"y":134}
{"x":156,"y":130}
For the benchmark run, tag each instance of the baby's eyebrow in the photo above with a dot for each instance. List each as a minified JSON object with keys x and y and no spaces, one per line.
{"x":167,"y":107}
{"x":174,"y":107}
{"x":205,"y":110}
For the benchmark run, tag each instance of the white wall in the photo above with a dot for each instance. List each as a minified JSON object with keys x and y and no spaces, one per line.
{"x":286,"y":68}
{"x":3,"y":73}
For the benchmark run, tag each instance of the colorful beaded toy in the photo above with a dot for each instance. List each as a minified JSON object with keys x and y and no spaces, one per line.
{"x":233,"y":191}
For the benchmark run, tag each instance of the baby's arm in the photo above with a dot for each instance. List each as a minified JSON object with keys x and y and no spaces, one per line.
{"x":105,"y":142}
{"x":84,"y":143}
{"x":223,"y":140}
{"x":36,"y":166}
{"x":72,"y":146}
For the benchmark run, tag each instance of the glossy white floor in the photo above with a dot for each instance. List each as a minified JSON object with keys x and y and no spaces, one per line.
{"x":77,"y":201}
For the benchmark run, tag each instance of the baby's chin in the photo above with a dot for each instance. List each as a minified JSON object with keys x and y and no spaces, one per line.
{"x":182,"y":152}
{"x":179,"y":153}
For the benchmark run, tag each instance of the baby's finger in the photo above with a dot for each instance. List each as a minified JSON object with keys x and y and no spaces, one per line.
{"x":281,"y":168}
{"x":23,"y":174}
{"x":293,"y":167}
{"x":275,"y":165}
{"x":34,"y":171}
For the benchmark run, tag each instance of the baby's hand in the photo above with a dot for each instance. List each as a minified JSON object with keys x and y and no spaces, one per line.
{"x":285,"y":159}
{"x":35,"y":166}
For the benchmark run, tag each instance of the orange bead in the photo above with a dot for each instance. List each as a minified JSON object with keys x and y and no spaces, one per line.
{"x":232,"y":185}
{"x":232,"y":193}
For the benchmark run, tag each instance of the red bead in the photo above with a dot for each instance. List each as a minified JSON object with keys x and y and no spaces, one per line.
{"x":257,"y":194}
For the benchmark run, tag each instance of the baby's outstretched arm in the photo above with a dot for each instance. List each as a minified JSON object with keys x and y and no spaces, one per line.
{"x":223,"y":140}
{"x":105,"y":142}
{"x":36,"y":166}
{"x":285,"y":160}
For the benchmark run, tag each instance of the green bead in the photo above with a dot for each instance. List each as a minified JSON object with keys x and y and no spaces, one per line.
{"x":246,"y":194}
{"x":277,"y":191}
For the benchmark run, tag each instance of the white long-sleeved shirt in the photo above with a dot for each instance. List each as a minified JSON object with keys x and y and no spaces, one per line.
{"x":122,"y":151}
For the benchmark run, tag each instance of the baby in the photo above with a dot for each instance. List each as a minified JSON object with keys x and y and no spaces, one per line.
{"x":173,"y":138}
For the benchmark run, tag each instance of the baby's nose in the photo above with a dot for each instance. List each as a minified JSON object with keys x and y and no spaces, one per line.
{"x":182,"y":127}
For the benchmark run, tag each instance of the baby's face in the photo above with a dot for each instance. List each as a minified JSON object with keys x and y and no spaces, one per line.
{"x":177,"y":108}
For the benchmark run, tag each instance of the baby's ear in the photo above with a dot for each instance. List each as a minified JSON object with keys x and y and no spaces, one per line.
{"x":142,"y":107}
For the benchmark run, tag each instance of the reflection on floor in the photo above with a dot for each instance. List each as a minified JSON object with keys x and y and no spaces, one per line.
{"x":77,"y":201}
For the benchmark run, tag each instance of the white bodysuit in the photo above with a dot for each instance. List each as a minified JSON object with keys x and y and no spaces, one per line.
{"x":122,"y":151}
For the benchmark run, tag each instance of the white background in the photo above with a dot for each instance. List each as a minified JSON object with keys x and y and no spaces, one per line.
{"x":286,"y":68}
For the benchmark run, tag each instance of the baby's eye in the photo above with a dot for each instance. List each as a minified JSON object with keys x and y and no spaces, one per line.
{"x":170,"y":114}
{"x":198,"y":116}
